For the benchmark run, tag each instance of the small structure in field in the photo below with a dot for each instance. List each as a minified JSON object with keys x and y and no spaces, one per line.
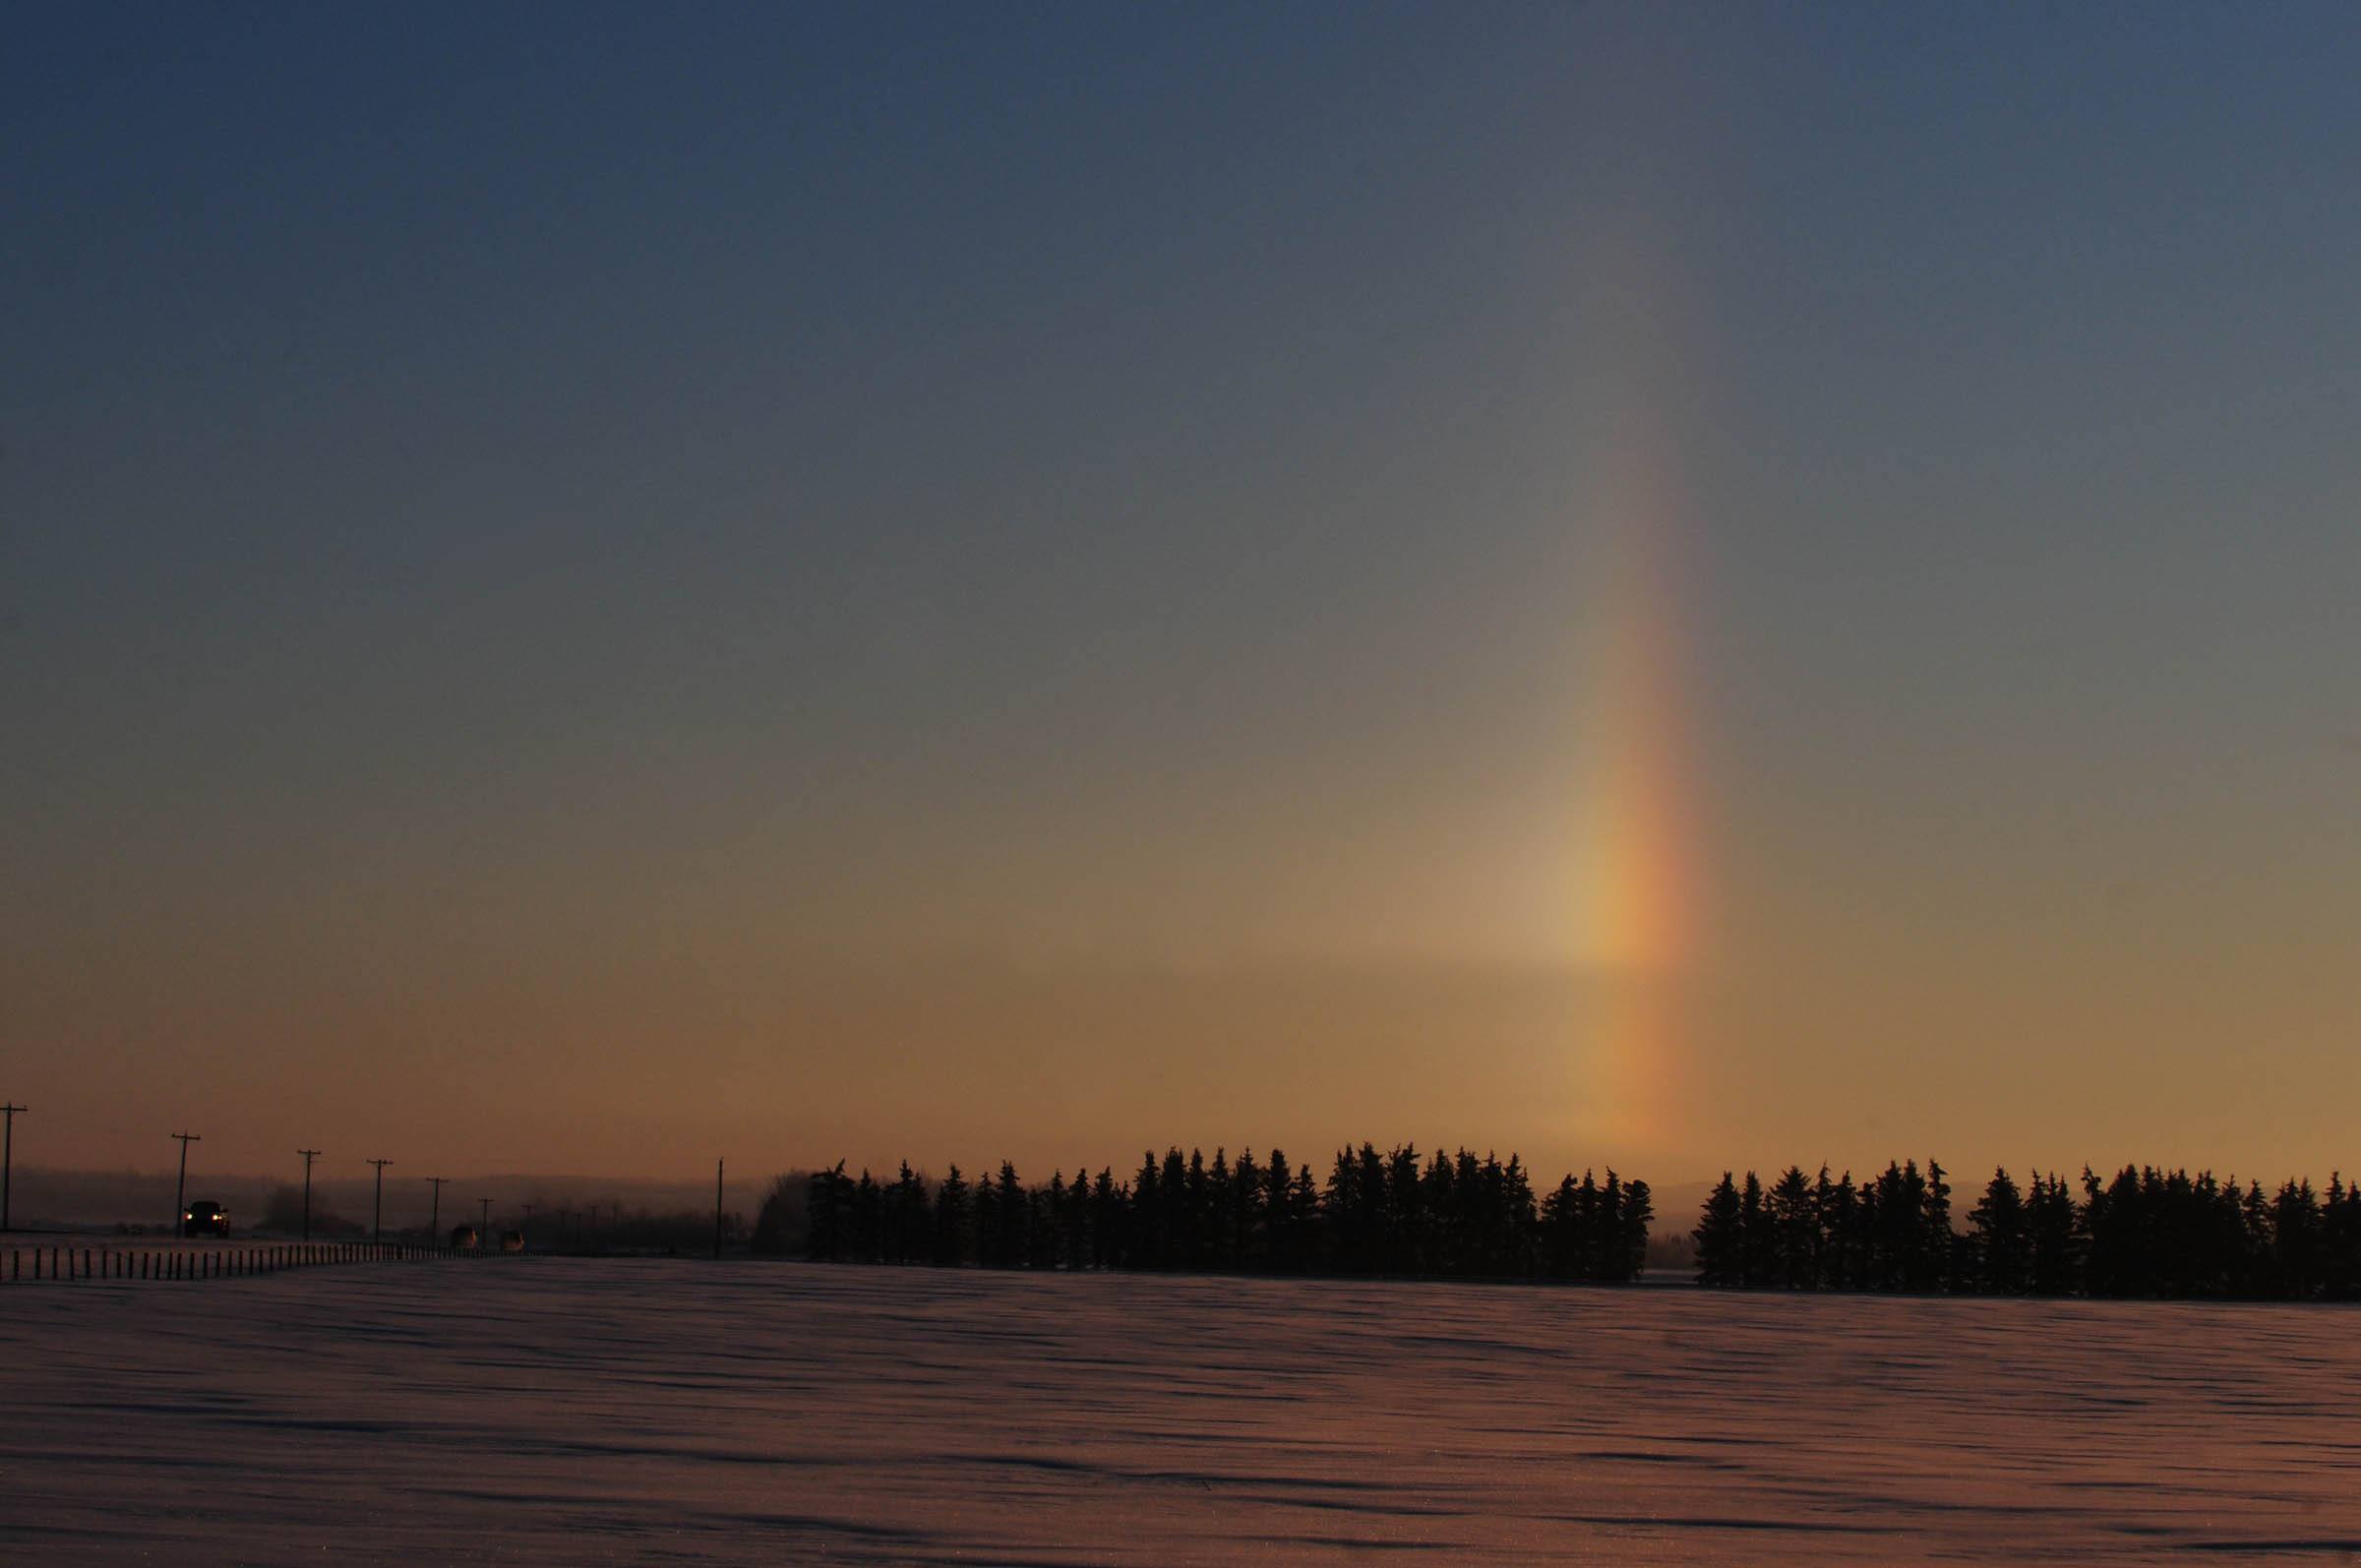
{"x":512,"y":1240}
{"x":463,"y":1238}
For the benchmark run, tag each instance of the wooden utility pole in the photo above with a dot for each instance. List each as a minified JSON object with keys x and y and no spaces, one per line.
{"x":8,"y":1157}
{"x":376,"y":1215}
{"x":180,"y":1192}
{"x":309,"y":1155}
{"x":434,"y":1224}
{"x":483,"y":1231}
{"x":718,"y":1165}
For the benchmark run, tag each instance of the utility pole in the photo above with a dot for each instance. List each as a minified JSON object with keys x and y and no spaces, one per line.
{"x":8,"y":1157}
{"x":434,"y":1224}
{"x":718,"y":1165}
{"x":483,"y":1231}
{"x":309,"y":1155}
{"x":180,"y":1193}
{"x":376,"y":1215}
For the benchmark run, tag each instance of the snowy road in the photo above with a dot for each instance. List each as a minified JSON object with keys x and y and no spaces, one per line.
{"x":549,"y":1410}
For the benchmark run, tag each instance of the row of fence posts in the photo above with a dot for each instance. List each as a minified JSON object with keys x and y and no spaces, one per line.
{"x":188,"y":1264}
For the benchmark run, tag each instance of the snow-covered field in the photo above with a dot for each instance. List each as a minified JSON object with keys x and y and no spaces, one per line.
{"x":551,"y":1410}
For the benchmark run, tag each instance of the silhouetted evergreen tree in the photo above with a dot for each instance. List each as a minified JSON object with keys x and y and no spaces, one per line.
{"x":2054,"y":1237}
{"x":1180,"y":1210}
{"x":1795,"y":1224}
{"x":1638,"y":1213}
{"x":2340,"y":1241}
{"x":1011,"y":1219}
{"x":1841,"y":1230}
{"x":909,"y":1224}
{"x":1220,"y":1249}
{"x":1941,"y":1243}
{"x":1758,"y":1247}
{"x":1246,"y":1186}
{"x":1720,"y":1237}
{"x":866,"y":1232}
{"x":992,"y":1244}
{"x":1110,"y":1212}
{"x":2295,"y":1240}
{"x":2003,"y":1243}
{"x":953,"y":1221}
{"x":828,"y":1203}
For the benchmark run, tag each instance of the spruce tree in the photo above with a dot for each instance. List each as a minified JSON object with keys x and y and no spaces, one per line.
{"x":1941,"y":1241}
{"x":1757,"y":1249}
{"x":952,"y":1221}
{"x":1720,"y":1237}
{"x":1639,"y":1212}
{"x":2002,"y":1247}
{"x":1795,"y":1230}
{"x":1015,"y":1218}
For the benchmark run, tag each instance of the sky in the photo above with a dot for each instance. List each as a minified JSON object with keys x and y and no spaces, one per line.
{"x":585,"y":589}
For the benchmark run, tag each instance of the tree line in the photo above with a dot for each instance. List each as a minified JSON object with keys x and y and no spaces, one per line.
{"x":2145,"y":1232}
{"x":1447,"y":1216}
